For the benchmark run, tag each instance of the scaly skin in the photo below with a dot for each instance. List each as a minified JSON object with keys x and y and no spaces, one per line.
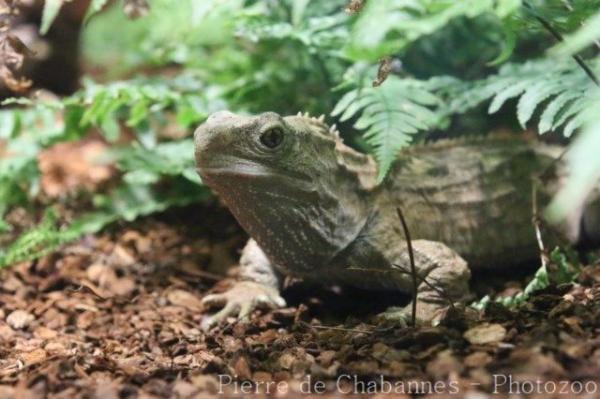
{"x":313,"y":210}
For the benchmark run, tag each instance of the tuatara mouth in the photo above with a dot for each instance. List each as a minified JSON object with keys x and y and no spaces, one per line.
{"x":246,"y":171}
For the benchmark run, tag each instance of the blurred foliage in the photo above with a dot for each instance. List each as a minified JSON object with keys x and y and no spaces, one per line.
{"x":388,"y":26}
{"x":151,"y":80}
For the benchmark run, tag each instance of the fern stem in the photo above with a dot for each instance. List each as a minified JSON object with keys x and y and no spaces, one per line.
{"x":548,"y":26}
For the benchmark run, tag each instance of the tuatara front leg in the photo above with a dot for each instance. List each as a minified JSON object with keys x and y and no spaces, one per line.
{"x":442,"y":281}
{"x":258,"y":287}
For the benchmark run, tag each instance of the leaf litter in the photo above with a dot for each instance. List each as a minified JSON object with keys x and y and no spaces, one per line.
{"x":118,"y":314}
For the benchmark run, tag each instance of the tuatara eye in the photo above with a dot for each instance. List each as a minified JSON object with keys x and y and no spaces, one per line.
{"x":272,"y":137}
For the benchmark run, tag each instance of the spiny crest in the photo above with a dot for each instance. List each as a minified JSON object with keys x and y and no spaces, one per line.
{"x":359,"y":165}
{"x":319,"y":124}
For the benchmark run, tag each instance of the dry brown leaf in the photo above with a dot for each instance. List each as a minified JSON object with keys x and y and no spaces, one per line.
{"x":123,"y":286}
{"x":122,"y":257}
{"x":7,"y":392}
{"x":56,"y":348}
{"x":96,"y":272}
{"x":262,"y":376}
{"x":183,"y":389}
{"x":286,"y":361}
{"x":185,"y":299}
{"x":267,"y":337}
{"x":34,"y":357}
{"x":443,"y":365}
{"x":205,"y":383}
{"x":68,"y":167}
{"x":44,"y":333}
{"x":242,"y":369}
{"x":325,"y":358}
{"x":477,"y":359}
{"x":485,"y":334}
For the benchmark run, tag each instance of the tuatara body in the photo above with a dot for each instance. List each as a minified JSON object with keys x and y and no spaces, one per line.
{"x":313,"y":209}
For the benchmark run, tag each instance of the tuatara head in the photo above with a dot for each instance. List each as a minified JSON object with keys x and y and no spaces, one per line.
{"x":290,"y":181}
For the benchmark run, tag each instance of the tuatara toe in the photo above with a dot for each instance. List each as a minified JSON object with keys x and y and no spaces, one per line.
{"x":240,"y":300}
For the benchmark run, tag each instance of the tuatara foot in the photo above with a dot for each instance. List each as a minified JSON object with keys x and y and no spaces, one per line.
{"x":240,"y":301}
{"x":428,"y":314}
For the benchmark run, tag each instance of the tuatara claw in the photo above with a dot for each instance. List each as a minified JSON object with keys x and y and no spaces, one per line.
{"x":239,"y":302}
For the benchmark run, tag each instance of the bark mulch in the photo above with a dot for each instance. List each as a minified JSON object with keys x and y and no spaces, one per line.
{"x":118,"y":315}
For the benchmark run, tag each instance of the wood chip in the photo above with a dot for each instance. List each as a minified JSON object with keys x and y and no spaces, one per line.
{"x":19,"y":319}
{"x":485,"y":334}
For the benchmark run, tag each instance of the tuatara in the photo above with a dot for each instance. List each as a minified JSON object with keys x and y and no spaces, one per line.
{"x":313,"y":209}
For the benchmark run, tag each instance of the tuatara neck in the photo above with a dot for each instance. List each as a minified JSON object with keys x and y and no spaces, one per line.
{"x":300,"y":224}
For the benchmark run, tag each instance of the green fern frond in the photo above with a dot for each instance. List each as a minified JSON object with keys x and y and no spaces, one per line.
{"x":140,"y":103}
{"x":127,"y":202}
{"x":39,"y":241}
{"x":147,"y":165}
{"x":389,"y":115}
{"x":559,"y":88}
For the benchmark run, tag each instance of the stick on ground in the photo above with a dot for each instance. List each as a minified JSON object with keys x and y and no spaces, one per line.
{"x":413,"y":269}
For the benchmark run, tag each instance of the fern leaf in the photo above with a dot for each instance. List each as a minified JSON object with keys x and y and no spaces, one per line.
{"x":568,"y":112}
{"x":127,"y":202}
{"x":389,"y":115}
{"x":344,"y":102}
{"x":554,"y":107}
{"x":575,"y":123}
{"x":559,"y":87}
{"x":40,"y":240}
{"x":533,"y":97}
{"x":511,"y":91}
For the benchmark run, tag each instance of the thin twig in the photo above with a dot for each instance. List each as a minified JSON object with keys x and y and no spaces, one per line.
{"x":321,"y":327}
{"x":548,"y":26}
{"x":413,"y":269}
{"x":537,"y":225}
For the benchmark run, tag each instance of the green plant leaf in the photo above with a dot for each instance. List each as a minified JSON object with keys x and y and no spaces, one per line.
{"x":584,"y":166}
{"x":49,"y":14}
{"x":510,"y":42}
{"x":94,"y":8}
